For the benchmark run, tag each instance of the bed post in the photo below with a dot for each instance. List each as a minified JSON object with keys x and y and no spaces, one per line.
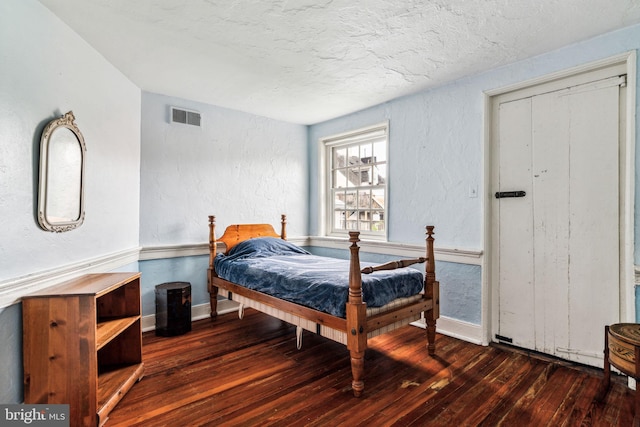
{"x":213,"y":290}
{"x":283,"y":228}
{"x":432,"y":292}
{"x":356,"y":317}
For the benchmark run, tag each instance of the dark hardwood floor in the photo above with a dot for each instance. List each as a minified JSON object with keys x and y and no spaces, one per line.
{"x":248,"y":372}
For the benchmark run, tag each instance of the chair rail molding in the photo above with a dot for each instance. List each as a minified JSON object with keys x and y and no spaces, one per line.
{"x":460,"y":256}
{"x":12,"y":290}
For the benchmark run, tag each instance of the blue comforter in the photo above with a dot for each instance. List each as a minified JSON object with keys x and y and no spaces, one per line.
{"x":281,"y":269}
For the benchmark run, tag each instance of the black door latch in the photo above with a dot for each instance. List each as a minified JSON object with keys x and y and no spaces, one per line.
{"x":505,"y":194}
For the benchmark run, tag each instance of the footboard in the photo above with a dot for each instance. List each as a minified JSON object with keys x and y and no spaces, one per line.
{"x":359,"y":325}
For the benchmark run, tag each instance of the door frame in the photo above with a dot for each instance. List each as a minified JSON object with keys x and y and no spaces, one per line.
{"x":626,"y":179}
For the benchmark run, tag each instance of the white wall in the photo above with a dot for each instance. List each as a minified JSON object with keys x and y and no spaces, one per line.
{"x":46,"y":70}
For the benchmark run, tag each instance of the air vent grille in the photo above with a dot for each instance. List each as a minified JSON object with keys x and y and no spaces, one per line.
{"x":185,"y":117}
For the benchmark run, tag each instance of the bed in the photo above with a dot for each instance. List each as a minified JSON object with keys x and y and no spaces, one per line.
{"x":258,"y":250}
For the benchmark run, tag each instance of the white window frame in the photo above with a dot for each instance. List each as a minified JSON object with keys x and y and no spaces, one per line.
{"x":357,"y":136}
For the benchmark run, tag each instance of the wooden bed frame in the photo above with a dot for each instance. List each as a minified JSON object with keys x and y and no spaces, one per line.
{"x":360,"y":323}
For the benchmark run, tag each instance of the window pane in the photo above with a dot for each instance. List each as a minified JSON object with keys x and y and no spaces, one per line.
{"x":351,"y":222}
{"x":338,"y":199}
{"x":353,"y":154}
{"x":339,"y":220}
{"x":365,"y":176}
{"x":380,"y":151}
{"x":364,"y":199}
{"x":353,"y":177}
{"x":339,"y":178}
{"x":377,"y":198}
{"x":379,"y":175}
{"x":366,"y":154}
{"x":350,"y":200}
{"x":351,"y":225}
{"x":339,"y":157}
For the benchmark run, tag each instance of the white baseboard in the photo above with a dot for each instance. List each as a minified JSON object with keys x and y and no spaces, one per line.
{"x":454,"y":328}
{"x":198,"y":312}
{"x":451,"y":327}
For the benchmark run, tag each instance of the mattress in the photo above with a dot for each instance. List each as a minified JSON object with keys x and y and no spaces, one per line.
{"x":283,"y":270}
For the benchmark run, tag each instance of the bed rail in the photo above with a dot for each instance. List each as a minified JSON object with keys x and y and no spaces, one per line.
{"x":392,"y":265}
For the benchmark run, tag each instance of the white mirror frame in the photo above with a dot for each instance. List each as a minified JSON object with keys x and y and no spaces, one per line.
{"x":61,"y":186}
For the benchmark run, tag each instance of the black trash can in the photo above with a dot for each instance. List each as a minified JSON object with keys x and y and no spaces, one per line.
{"x":173,"y":308}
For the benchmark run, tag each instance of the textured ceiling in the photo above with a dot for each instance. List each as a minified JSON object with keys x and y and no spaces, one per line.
{"x":306,"y":61}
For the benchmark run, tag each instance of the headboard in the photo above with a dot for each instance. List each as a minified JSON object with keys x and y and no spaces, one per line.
{"x":237,"y":233}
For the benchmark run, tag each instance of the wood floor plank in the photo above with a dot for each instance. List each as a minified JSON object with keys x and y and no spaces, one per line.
{"x":487,"y":393}
{"x":441,"y":409}
{"x":580,"y":401}
{"x":503,"y":408}
{"x":417,"y":390}
{"x":248,"y":372}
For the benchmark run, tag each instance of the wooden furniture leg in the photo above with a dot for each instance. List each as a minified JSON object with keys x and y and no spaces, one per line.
{"x":636,"y":415}
{"x":356,"y":317}
{"x":431,"y":291}
{"x":357,"y":371}
{"x":606,"y":379}
{"x":636,"y":377}
{"x":622,"y":350}
{"x":431,"y":336}
{"x":213,"y":290}
{"x":213,"y":301}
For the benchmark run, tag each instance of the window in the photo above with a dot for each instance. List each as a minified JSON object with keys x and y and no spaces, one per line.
{"x":357,"y":181}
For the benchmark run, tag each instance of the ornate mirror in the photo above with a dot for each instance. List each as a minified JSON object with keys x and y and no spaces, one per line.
{"x":60,"y":197}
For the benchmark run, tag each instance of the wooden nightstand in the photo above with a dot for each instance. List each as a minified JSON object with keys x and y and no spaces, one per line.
{"x":622,"y":350}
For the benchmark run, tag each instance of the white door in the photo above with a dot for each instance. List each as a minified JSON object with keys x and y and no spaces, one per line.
{"x":557,"y":219}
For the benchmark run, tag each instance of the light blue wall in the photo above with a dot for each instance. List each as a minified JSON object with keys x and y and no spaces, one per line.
{"x":436,"y":154}
{"x":236,"y":166}
{"x":192,"y":269}
{"x":46,"y":70}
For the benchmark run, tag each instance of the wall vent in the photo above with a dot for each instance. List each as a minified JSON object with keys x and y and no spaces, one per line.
{"x":185,"y":117}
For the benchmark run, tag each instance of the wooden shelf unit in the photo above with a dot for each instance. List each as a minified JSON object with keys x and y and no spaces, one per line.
{"x":82,"y":344}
